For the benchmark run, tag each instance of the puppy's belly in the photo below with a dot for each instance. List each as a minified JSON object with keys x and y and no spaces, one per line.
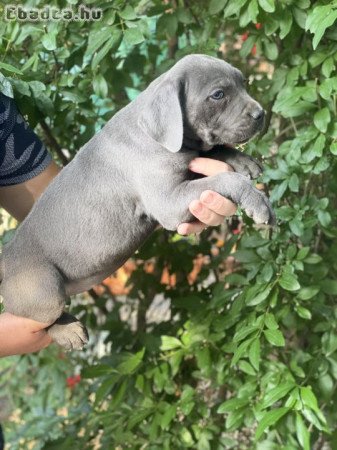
{"x":79,"y":286}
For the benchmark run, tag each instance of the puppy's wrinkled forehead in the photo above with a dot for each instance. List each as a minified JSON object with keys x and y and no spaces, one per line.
{"x":199,"y":71}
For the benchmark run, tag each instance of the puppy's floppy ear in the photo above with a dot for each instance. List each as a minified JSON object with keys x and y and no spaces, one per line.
{"x":161,"y":117}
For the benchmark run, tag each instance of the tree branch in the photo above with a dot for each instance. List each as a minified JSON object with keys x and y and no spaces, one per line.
{"x":52,"y":142}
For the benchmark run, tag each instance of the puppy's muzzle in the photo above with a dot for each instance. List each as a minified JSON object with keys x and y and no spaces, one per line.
{"x":257,"y":115}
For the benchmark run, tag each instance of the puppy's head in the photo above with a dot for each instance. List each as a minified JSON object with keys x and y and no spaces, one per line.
{"x":201,"y":99}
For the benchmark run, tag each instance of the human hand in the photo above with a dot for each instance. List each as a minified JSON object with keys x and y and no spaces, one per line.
{"x":19,"y":335}
{"x":211,"y":208}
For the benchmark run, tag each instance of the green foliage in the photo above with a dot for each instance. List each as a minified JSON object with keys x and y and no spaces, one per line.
{"x":248,"y":358}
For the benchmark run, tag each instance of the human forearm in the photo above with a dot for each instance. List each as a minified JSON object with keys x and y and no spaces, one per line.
{"x":18,"y":199}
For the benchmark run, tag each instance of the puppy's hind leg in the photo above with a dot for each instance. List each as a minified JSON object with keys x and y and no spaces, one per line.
{"x":36,"y":291}
{"x":32,"y":290}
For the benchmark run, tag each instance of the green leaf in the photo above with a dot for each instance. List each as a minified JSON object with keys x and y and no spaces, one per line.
{"x":133,"y":36}
{"x":324,"y":218}
{"x":267,"y":5}
{"x":313,"y":259}
{"x":186,"y":437}
{"x":302,"y":433}
{"x":247,"y":256}
{"x":184,"y":16}
{"x":168,"y":416}
{"x":22,"y":87}
{"x":247,"y":46}
{"x":204,"y":441}
{"x":275,"y":337}
{"x":216,"y":6}
{"x":234,"y":419}
{"x":322,"y":119}
{"x":271,"y":50}
{"x":260,"y":297}
{"x":232,"y":404}
{"x":270,"y":321}
{"x":333,"y":148}
{"x":328,"y":66}
{"x":312,"y":418}
{"x":118,"y":395}
{"x":244,"y":332}
{"x":112,"y":43}
{"x":128,"y":13}
{"x":168,"y":23}
{"x":275,"y":394}
{"x":233,"y":8}
{"x":130,"y":363}
{"x":329,"y":286}
{"x":309,"y":398}
{"x":316,"y":149}
{"x":253,"y":10}
{"x":100,"y":85}
{"x":10,"y":68}
{"x":169,"y":343}
{"x":49,"y":41}
{"x":308,"y":292}
{"x":245,"y":367}
{"x":97,"y":371}
{"x":288,"y":281}
{"x":139,"y":416}
{"x":175,"y":361}
{"x":318,"y":20}
{"x":270,"y":418}
{"x":278,"y":191}
{"x":97,"y":39}
{"x":302,"y":253}
{"x":204,"y":360}
{"x":303,"y":312}
{"x":31,"y":62}
{"x":296,"y":226}
{"x":105,"y":388}
{"x":254,"y":354}
{"x":286,"y":22}
{"x":294,"y":183}
{"x":241,"y":351}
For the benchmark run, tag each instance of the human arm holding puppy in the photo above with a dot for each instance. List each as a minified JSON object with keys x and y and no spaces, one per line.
{"x":19,"y":335}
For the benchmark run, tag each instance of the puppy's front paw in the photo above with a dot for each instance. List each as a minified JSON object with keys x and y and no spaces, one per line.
{"x":258,"y":207}
{"x":246,"y":165}
{"x":68,"y":332}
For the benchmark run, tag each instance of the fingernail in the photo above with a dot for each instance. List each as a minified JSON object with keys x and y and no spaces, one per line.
{"x":181,"y":230}
{"x":209,"y":198}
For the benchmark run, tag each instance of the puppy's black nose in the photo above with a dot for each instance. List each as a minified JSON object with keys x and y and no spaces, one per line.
{"x":257,"y":114}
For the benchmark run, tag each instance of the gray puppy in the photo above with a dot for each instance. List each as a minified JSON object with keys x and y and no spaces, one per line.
{"x":129,"y":177}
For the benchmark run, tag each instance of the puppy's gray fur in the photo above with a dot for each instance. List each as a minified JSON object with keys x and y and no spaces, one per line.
{"x":129,"y":177}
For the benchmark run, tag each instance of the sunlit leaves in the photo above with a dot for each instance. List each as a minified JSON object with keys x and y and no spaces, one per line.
{"x":269,"y":419}
{"x":319,"y":19}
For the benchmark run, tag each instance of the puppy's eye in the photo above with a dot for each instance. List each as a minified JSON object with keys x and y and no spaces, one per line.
{"x":218,"y":94}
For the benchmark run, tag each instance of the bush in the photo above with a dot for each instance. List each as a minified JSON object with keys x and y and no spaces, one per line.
{"x":244,"y":356}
